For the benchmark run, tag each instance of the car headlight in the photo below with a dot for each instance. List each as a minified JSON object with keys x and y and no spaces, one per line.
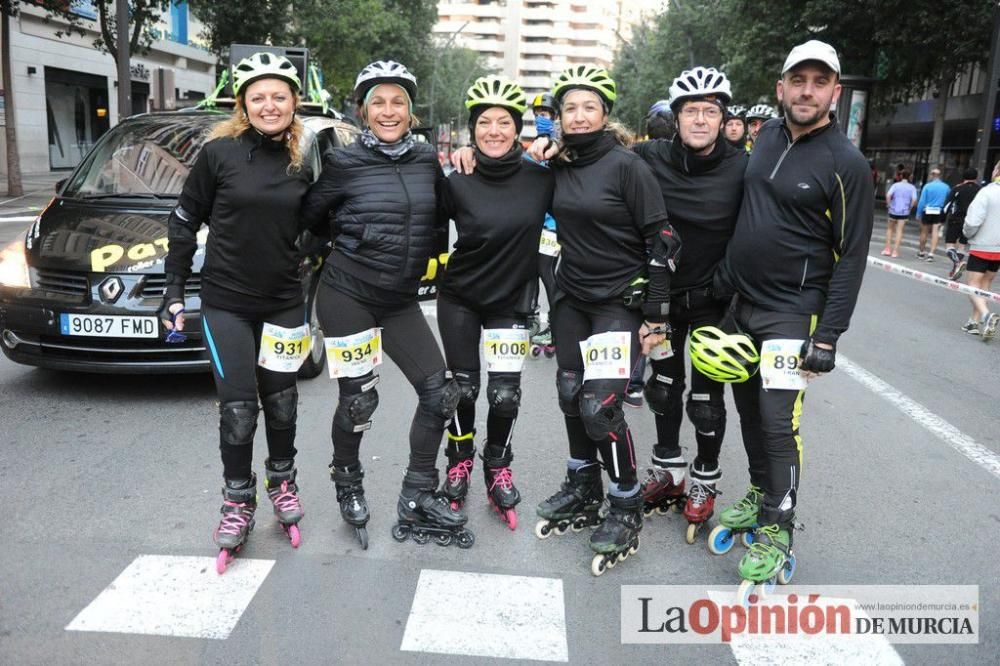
{"x":14,"y":266}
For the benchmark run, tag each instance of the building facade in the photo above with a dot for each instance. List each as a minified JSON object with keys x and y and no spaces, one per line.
{"x":66,"y":91}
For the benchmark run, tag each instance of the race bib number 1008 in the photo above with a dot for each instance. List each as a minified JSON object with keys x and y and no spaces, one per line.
{"x":606,"y":355}
{"x":779,"y":365}
{"x":505,"y":349}
{"x":284,"y":349}
{"x":354,"y":355}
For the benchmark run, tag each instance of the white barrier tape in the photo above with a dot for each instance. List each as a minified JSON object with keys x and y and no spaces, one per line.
{"x":944,"y":283}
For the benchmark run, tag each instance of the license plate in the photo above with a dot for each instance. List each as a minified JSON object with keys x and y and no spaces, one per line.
{"x":108,"y":326}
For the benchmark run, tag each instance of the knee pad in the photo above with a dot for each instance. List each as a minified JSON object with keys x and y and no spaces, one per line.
{"x":468,"y":386}
{"x":238,"y":422}
{"x":358,"y":400}
{"x":437,"y":400}
{"x":568,"y":385}
{"x":281,"y":409}
{"x":663,"y":393}
{"x":601,"y":412}
{"x":707,"y":412}
{"x":504,"y":394}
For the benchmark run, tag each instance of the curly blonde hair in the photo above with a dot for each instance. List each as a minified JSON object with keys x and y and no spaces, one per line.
{"x":239,"y":122}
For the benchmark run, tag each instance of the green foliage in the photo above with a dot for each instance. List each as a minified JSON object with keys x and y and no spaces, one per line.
{"x":258,"y":22}
{"x":143,"y":15}
{"x":457,"y":68}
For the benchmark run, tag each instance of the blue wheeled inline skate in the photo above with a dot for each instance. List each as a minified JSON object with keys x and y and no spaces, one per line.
{"x":739,"y":519}
{"x":769,"y":559}
{"x":424,"y":514}
{"x":351,"y":498}
{"x":239,"y":502}
{"x":575,"y":505}
{"x":618,"y":537}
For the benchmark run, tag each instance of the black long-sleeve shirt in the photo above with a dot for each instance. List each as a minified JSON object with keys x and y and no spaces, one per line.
{"x":801,"y":241}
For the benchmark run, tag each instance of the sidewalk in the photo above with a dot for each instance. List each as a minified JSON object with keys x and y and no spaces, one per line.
{"x":39,"y":188}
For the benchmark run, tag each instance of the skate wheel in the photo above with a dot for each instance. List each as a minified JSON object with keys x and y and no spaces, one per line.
{"x":294,"y":536}
{"x":466,"y":539}
{"x":786,"y":572}
{"x":550,"y":354}
{"x":647,"y":512}
{"x":692,"y":532}
{"x":578,"y":525}
{"x":744,"y":592}
{"x":560,"y":529}
{"x":443,"y":539}
{"x":676,"y":508}
{"x":635,"y":547}
{"x":542,"y":529}
{"x":362,"y":533}
{"x":661,"y":510}
{"x":400,"y":533}
{"x":747,"y":539}
{"x":720,"y":540}
{"x":510,"y":517}
{"x":222,"y":561}
{"x":421,"y":537}
{"x":536,"y":351}
{"x":598,"y":565}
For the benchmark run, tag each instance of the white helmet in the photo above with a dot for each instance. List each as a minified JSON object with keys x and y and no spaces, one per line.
{"x":384,"y":71}
{"x":761,"y":112}
{"x":700,"y":82}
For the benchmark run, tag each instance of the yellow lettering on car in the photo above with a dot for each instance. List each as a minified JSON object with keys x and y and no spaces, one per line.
{"x":432,"y":266}
{"x":141,"y":251}
{"x":103,"y":257}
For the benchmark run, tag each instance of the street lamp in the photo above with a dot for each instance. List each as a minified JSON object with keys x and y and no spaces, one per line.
{"x":434,"y":73}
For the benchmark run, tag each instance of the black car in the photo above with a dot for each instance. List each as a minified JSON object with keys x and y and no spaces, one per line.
{"x":81,"y":289}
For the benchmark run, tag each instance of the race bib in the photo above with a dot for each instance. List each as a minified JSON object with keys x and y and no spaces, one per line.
{"x":505,"y":349}
{"x":548,"y":244}
{"x":932,"y":210}
{"x":606,"y":355}
{"x":661,"y":351}
{"x":284,"y":349}
{"x":779,"y":365}
{"x":354,"y":355}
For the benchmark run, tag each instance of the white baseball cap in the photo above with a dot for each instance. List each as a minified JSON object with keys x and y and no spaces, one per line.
{"x":812,"y":50}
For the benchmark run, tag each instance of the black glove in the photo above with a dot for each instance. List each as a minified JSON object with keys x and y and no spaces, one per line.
{"x":816,"y":359}
{"x":164,"y":312}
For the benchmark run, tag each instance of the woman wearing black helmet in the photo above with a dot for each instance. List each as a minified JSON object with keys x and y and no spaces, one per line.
{"x":490,"y":285}
{"x":616,"y":246}
{"x":381,"y":195}
{"x":247,"y":184}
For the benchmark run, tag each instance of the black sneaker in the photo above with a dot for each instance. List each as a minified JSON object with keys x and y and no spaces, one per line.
{"x":971,"y":327}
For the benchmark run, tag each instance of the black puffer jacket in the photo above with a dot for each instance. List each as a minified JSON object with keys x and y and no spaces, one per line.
{"x":385,"y":213}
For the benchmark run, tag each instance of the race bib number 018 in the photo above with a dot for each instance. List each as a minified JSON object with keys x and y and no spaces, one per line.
{"x":779,"y":365}
{"x":548,"y":244}
{"x":606,"y":355}
{"x":354,"y":355}
{"x":505,"y":349}
{"x":284,"y":349}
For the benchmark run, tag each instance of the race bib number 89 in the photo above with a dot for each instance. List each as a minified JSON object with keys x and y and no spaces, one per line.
{"x":354,"y":355}
{"x":779,"y":365}
{"x":505,"y":349}
{"x":606,"y":355}
{"x":284,"y":349}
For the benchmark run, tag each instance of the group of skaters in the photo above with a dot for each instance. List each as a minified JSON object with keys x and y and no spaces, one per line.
{"x":970,"y":213}
{"x":749,"y":262}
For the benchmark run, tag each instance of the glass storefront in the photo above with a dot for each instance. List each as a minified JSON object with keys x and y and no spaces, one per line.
{"x":76,"y":106}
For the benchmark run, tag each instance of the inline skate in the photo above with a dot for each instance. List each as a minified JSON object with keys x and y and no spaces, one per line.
{"x":424,"y":514}
{"x":700,"y":503}
{"x":503,"y":495}
{"x":460,"y":463}
{"x":770,"y":558}
{"x":351,"y":497}
{"x":739,"y":519}
{"x":239,"y":501}
{"x":282,"y":490}
{"x":541,"y":343}
{"x":663,"y":488}
{"x":618,"y":537}
{"x":575,"y":505}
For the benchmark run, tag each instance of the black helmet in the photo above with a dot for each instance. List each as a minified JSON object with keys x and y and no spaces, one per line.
{"x":660,"y":122}
{"x":544,"y":101}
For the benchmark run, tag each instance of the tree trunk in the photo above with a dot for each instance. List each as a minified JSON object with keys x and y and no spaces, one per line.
{"x":14,"y":188}
{"x":944,"y":86}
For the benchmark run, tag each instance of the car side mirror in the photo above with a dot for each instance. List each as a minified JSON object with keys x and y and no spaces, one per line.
{"x":59,"y":185}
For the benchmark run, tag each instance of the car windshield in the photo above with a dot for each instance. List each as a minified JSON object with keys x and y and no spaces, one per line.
{"x":146,"y":157}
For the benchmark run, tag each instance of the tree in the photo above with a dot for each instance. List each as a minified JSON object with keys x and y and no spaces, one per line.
{"x":143,"y":14}
{"x":456,"y":69}
{"x":259,"y":22}
{"x":8,"y":8}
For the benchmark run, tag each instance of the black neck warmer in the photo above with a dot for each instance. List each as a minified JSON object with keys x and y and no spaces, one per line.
{"x":588,"y":147}
{"x":498,"y":168}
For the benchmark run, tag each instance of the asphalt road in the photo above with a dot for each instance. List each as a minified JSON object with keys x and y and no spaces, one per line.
{"x":99,"y":472}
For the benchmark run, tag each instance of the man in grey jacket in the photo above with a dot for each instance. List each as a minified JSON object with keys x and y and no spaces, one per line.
{"x":982,"y":228}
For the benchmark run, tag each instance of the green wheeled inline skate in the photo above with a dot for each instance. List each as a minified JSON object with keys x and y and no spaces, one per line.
{"x":739,"y":519}
{"x":770,"y":558}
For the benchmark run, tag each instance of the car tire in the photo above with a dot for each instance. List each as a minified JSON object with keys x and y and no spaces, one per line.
{"x":316,"y":363}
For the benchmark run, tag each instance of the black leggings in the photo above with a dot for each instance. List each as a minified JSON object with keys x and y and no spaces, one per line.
{"x":460,"y":328}
{"x":233,"y":341}
{"x":547,"y":272}
{"x":770,"y":419}
{"x":595,"y":420}
{"x":706,"y":407}
{"x":408,"y":341}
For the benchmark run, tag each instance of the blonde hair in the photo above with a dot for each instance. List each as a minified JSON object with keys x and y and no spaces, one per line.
{"x":619,"y":132}
{"x":239,"y":122}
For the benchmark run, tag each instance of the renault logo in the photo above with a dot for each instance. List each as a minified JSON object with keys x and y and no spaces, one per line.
{"x":111,"y":289}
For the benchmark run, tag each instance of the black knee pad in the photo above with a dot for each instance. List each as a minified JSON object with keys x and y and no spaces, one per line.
{"x":707,"y":412}
{"x":358,"y":400}
{"x":601,"y":411}
{"x":663,"y":393}
{"x":504,"y":393}
{"x":238,"y":422}
{"x":281,"y":409}
{"x":468,"y":386}
{"x":568,"y":385}
{"x":437,"y":400}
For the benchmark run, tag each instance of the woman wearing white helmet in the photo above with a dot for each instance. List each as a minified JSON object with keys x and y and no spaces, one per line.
{"x":490,"y":285}
{"x":381,"y":196}
{"x":246,"y":184}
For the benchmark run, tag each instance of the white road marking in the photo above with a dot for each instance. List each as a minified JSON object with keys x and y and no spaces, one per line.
{"x":19,"y":218}
{"x":487,"y":615}
{"x":175,"y":596}
{"x":944,"y":431}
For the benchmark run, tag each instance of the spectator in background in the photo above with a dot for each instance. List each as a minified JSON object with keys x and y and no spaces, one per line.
{"x":955,"y":208}
{"x":660,"y":122}
{"x":932,"y":198}
{"x":900,"y":200}
{"x":982,"y":227}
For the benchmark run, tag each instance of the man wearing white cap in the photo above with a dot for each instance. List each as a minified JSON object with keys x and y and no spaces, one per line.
{"x":795,"y":264}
